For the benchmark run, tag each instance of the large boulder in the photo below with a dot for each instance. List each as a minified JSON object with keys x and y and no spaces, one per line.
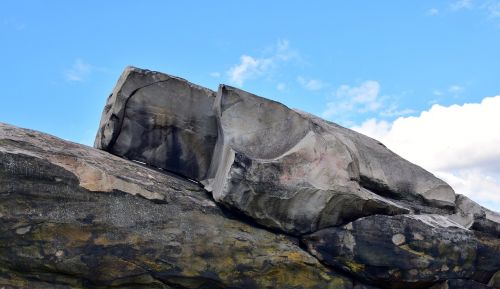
{"x":285,"y":169}
{"x":76,"y":217}
{"x":162,"y":120}
{"x":298,"y":173}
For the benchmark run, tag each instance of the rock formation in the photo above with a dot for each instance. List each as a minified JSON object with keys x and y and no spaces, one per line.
{"x":189,"y":188}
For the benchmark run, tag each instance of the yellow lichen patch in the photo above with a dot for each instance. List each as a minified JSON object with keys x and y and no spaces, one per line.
{"x":296,"y":257}
{"x":414,"y":252}
{"x":353,"y":266}
{"x":103,"y":240}
{"x":74,"y":235}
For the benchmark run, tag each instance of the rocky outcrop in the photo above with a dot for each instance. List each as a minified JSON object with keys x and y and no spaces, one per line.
{"x":77,"y":217}
{"x":229,"y":190}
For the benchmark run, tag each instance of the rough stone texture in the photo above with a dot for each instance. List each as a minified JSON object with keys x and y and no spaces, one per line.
{"x":162,"y":120}
{"x":407,"y":250}
{"x":76,"y":217}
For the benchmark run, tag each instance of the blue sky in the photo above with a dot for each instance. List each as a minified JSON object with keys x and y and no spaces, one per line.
{"x":364,"y":64}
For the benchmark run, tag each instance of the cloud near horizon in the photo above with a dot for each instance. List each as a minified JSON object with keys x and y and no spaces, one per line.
{"x":458,"y":143}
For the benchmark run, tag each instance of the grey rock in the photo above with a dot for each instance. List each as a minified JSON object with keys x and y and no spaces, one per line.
{"x":162,"y":120}
{"x":298,"y":173}
{"x":406,"y":250}
{"x":98,"y":221}
{"x":472,"y":215}
{"x":355,"y":205}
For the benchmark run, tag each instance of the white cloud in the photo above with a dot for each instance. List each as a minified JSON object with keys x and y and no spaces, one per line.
{"x":215,"y":74}
{"x":79,"y":71}
{"x":362,"y":98}
{"x":460,"y":143}
{"x":432,"y":12}
{"x":251,"y":67}
{"x":461,"y":4}
{"x":281,"y":86}
{"x":311,"y":84}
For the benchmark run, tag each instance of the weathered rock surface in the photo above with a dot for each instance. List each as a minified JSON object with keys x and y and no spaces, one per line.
{"x":471,"y":215}
{"x":76,"y":217}
{"x":162,"y":120}
{"x":231,"y":191}
{"x":407,"y":249}
{"x":298,"y":173}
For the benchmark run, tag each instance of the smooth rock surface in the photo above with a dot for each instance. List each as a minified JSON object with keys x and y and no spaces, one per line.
{"x":407,"y":250}
{"x":77,"y":217}
{"x":298,"y":173}
{"x":162,"y":120}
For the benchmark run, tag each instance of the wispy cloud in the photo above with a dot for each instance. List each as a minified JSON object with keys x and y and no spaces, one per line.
{"x":362,"y":98}
{"x":79,"y":71}
{"x":215,"y":74}
{"x":251,"y":67}
{"x":461,"y":4}
{"x":493,"y":8}
{"x":393,"y":110}
{"x":456,"y":89}
{"x":311,"y":84}
{"x":15,"y":24}
{"x":432,"y":12}
{"x":281,"y":86}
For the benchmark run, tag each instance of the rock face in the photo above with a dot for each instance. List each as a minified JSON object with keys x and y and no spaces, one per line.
{"x":229,"y":190}
{"x":161,"y":120}
{"x":298,"y":173}
{"x":406,"y":249}
{"x":77,"y":217}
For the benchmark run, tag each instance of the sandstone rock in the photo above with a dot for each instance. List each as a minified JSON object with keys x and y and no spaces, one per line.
{"x":232,"y":191}
{"x":77,"y":217}
{"x":162,"y":120}
{"x":287,"y":170}
{"x":407,"y":250}
{"x":298,"y":173}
